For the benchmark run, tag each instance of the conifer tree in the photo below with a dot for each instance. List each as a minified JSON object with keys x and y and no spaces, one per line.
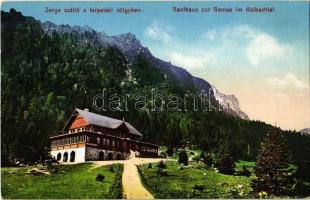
{"x":225,"y":163}
{"x":271,"y":167}
{"x":183,"y":158}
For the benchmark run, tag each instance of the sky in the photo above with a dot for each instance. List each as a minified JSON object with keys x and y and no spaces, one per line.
{"x":261,"y":58}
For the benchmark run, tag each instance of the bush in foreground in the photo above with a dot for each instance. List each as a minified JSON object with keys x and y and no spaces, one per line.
{"x":170,"y":151}
{"x":245,"y":172}
{"x":271,"y":168}
{"x":183,"y":158}
{"x":162,"y":165}
{"x":100,"y":177}
{"x":207,"y":158}
{"x":225,"y":163}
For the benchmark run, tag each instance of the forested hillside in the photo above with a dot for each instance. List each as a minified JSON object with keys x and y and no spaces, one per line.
{"x":45,"y":76}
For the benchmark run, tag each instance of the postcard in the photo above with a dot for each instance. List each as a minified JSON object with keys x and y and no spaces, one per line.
{"x":155,"y":99}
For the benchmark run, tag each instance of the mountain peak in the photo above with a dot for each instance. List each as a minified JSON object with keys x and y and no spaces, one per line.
{"x":305,"y":131}
{"x":130,"y":46}
{"x":127,"y":38}
{"x":50,"y":27}
{"x":128,"y":35}
{"x":230,"y":103}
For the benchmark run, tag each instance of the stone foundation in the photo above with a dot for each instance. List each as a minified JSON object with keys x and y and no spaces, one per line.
{"x":99,"y":154}
{"x":77,"y":153}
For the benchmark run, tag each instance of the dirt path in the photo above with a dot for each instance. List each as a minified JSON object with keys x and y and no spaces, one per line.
{"x":132,"y":186}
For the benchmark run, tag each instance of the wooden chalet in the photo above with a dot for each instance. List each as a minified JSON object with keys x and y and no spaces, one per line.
{"x":89,"y":136}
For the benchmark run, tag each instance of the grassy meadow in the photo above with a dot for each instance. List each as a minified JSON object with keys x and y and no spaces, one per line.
{"x":194,"y":181}
{"x":69,"y":182}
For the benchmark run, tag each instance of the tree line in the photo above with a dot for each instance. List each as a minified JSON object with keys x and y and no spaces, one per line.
{"x":45,"y":77}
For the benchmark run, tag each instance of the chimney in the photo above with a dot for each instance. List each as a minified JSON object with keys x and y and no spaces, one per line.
{"x":123,"y":119}
{"x":86,"y":109}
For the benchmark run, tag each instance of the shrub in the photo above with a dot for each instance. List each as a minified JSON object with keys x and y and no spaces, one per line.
{"x":272,"y":172}
{"x":112,"y":169}
{"x":202,"y":155}
{"x":100,"y":177}
{"x":150,"y":166}
{"x":183,"y":158}
{"x":245,"y":172}
{"x":162,"y":165}
{"x":225,"y":163}
{"x":162,"y":172}
{"x":200,"y":188}
{"x":170,"y":151}
{"x":163,"y":155}
{"x":208,"y":159}
{"x":196,"y":158}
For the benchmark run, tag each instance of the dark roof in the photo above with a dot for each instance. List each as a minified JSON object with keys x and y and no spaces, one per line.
{"x":103,"y":121}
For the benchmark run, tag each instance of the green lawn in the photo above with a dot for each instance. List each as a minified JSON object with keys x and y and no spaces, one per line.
{"x":70,"y":182}
{"x":248,"y":164}
{"x":185,"y":183}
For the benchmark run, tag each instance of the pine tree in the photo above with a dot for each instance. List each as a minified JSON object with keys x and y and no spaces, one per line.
{"x":170,"y":151}
{"x":225,"y":163}
{"x":271,"y":167}
{"x":183,"y":158}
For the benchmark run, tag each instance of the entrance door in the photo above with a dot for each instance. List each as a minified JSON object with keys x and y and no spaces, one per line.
{"x":72,"y":156}
{"x":101,"y":155}
{"x":119,"y":157}
{"x":65,"y":157}
{"x":110,"y":156}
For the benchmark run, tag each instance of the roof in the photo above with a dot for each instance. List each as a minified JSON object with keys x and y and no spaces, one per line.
{"x":107,"y":122}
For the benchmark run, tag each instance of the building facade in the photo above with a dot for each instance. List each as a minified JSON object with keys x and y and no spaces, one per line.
{"x":88,"y":136}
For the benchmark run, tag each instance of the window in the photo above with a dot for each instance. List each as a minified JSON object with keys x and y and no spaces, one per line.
{"x":65,"y":157}
{"x":98,"y":140}
{"x":81,"y":138}
{"x":74,"y":140}
{"x":61,"y":142}
{"x":104,"y":141}
{"x":72,"y":156}
{"x":113,"y":143}
{"x":108,"y":142}
{"x":101,"y":155}
{"x":59,"y":156}
{"x":67,"y":140}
